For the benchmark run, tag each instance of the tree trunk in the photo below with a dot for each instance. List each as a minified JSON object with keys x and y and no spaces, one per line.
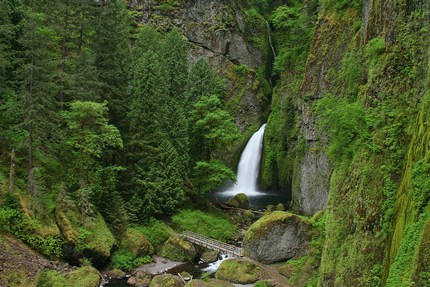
{"x":12,"y":172}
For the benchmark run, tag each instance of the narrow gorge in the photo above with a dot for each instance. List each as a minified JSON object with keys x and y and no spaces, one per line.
{"x":120,"y":122}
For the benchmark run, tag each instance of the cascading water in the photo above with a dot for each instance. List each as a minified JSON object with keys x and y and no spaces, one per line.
{"x":213,"y":267}
{"x":249,"y":166}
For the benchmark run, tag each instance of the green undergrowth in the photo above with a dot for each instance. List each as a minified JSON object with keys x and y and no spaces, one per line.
{"x":404,"y":265}
{"x":85,"y":276}
{"x":156,"y":231}
{"x":25,"y":228}
{"x":214,"y":226}
{"x":134,"y":250}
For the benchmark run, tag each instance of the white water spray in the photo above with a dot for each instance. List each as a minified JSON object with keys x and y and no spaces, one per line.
{"x":249,"y":166}
{"x":213,"y":267}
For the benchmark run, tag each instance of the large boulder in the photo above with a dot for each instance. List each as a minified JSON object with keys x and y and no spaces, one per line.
{"x":90,"y":238}
{"x":178,"y":249}
{"x":166,"y":280}
{"x":276,"y":237}
{"x":238,"y":271}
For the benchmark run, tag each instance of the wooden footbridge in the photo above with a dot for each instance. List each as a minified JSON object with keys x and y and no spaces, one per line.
{"x":213,"y":244}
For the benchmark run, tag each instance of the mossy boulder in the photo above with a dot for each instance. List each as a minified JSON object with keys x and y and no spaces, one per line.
{"x":87,"y":237}
{"x":276,"y":236}
{"x":116,"y":274}
{"x":166,"y":280}
{"x":210,"y":256}
{"x":178,"y":249}
{"x":240,"y":200}
{"x":135,"y":242}
{"x":209,"y":283}
{"x":238,"y":271}
{"x":85,"y":276}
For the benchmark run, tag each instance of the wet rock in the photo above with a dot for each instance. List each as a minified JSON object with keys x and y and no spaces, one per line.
{"x":132,"y":281}
{"x":210,"y":256}
{"x":116,"y":274}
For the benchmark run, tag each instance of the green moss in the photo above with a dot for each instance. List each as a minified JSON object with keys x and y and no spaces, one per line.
{"x":403,"y":267}
{"x":167,"y":280}
{"x":135,"y":241}
{"x":177,"y":249}
{"x":238,"y":271}
{"x":86,"y":276}
{"x":422,"y":262}
{"x":260,"y":228}
{"x":51,"y":278}
{"x":208,"y":283}
{"x":90,"y":235}
{"x":240,"y":200}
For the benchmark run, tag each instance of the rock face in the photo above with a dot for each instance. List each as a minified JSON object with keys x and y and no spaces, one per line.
{"x":276,"y":237}
{"x":218,"y":30}
{"x":311,"y":193}
{"x":177,"y":249}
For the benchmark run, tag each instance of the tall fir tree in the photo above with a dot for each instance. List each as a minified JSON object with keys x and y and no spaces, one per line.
{"x":37,"y":92}
{"x":112,"y":56}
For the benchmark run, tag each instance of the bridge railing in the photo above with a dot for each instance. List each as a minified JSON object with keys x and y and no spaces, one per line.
{"x":213,"y":244}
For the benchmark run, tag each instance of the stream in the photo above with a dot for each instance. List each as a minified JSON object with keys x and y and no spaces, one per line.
{"x":195,"y":269}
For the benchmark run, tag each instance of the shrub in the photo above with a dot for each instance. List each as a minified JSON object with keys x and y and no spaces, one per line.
{"x":126,"y":261}
{"x":156,"y":232}
{"x":14,"y":222}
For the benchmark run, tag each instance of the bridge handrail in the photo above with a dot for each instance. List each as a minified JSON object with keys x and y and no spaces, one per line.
{"x":210,"y":242}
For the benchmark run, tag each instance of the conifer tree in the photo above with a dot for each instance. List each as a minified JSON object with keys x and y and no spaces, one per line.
{"x":38,"y":61}
{"x":112,"y":55}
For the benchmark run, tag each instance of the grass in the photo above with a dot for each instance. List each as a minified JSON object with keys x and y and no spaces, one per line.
{"x":205,"y":224}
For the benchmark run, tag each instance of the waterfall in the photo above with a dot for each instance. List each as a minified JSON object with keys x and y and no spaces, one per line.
{"x":270,"y":39}
{"x":249,"y":166}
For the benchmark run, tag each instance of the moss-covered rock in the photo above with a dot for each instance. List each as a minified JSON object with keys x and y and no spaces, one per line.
{"x":240,"y":200}
{"x":135,"y":242}
{"x":238,"y":271}
{"x":210,"y":256}
{"x":177,"y":249}
{"x":90,"y":236}
{"x":209,"y":283}
{"x":116,"y":274}
{"x":85,"y":276}
{"x":276,"y":236}
{"x":166,"y":280}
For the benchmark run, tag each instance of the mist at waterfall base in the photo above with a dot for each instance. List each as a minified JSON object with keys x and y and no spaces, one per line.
{"x":247,"y":177}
